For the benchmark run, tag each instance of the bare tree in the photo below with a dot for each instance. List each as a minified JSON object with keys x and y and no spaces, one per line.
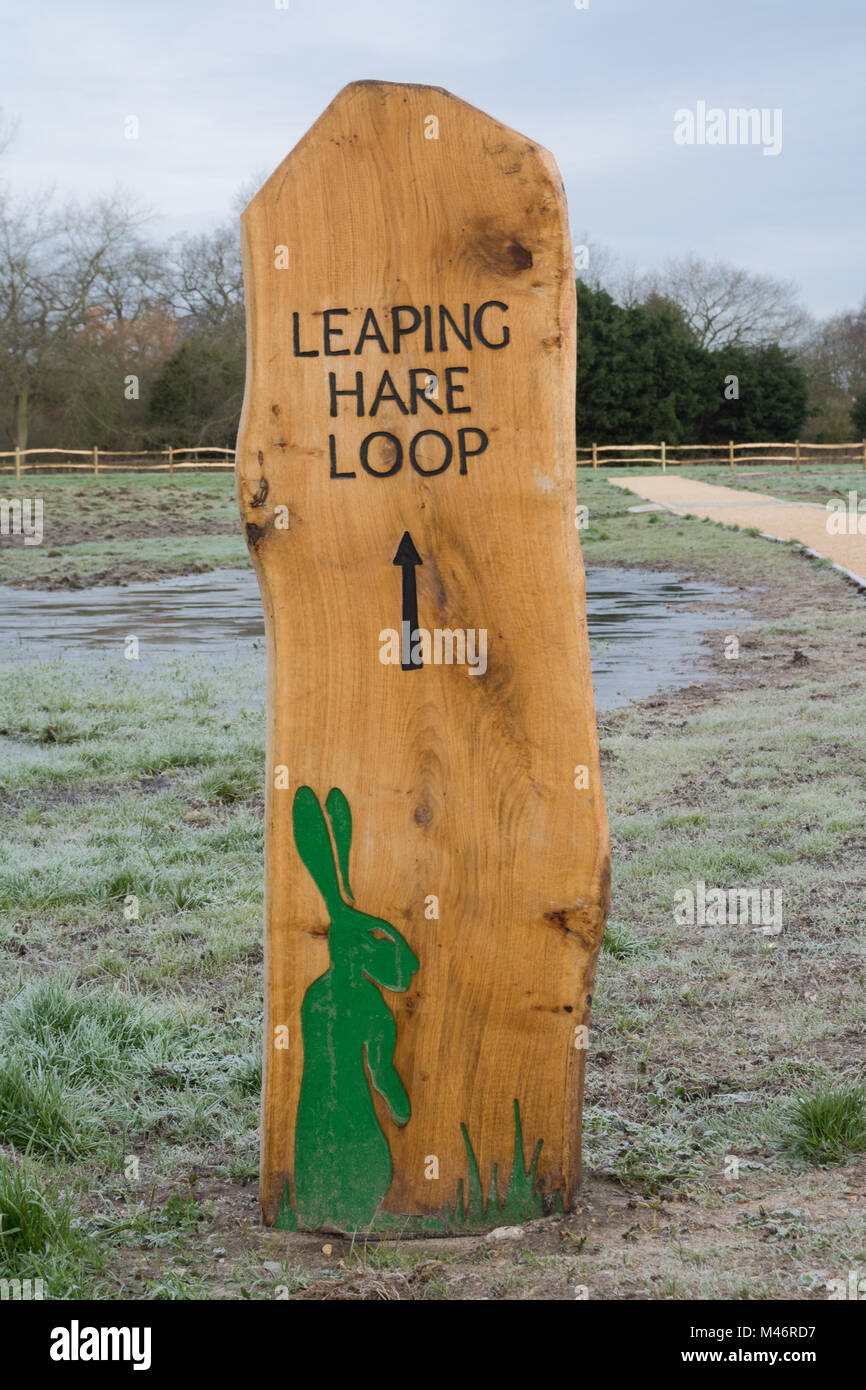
{"x":205,"y":278}
{"x":246,"y":191}
{"x":28,"y":311}
{"x":833,"y":355}
{"x":724,"y":306}
{"x":601,"y":268}
{"x":57,"y":269}
{"x":8,"y":131}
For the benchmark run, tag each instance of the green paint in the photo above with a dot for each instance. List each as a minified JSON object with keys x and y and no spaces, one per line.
{"x":286,"y":1221}
{"x":342,"y":1160}
{"x":521,"y":1202}
{"x":343,"y":1163}
{"x":475,"y":1210}
{"x":340,"y":816}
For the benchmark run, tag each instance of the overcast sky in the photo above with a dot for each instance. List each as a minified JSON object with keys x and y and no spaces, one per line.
{"x":224,"y":88}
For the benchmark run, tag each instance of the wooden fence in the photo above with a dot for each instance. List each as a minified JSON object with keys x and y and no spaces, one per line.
{"x":105,"y":460}
{"x":798,"y":453}
{"x":173,"y":460}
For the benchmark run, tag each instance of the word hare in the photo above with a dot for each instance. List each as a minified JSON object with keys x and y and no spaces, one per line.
{"x":343,"y":1163}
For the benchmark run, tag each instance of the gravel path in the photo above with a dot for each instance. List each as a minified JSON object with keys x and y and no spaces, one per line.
{"x":788,"y":521}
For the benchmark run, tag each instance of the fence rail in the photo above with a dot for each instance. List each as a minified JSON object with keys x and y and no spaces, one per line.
{"x":174,"y":460}
{"x":104,"y":460}
{"x":796,"y":452}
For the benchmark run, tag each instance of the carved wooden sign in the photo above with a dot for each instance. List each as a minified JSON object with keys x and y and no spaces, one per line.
{"x":436,"y":842}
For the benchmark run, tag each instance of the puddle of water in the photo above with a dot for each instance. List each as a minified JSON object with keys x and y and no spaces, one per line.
{"x":643,"y":634}
{"x":205,"y":613}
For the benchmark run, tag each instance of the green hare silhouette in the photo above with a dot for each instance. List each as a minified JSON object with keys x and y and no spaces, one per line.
{"x":343,"y":1164}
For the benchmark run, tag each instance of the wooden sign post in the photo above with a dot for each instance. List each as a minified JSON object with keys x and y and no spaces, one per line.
{"x":436,"y":842}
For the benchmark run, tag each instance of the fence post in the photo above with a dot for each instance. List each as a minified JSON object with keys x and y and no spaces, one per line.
{"x":664,"y":456}
{"x":595,"y":456}
{"x":18,"y":462}
{"x":797,"y":443}
{"x":171,"y":463}
{"x":95,"y":461}
{"x":731,"y":454}
{"x":864,"y":455}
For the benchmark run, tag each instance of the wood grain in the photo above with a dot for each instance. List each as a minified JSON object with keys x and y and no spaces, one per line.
{"x":461,"y":785}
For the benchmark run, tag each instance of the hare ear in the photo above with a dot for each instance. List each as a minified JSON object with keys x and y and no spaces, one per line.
{"x":314,"y":845}
{"x":337,"y":808}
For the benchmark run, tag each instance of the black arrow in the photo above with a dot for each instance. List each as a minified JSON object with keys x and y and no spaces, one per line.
{"x":407,"y":558}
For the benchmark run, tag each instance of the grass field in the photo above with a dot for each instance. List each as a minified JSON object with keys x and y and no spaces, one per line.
{"x":725,"y":1131}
